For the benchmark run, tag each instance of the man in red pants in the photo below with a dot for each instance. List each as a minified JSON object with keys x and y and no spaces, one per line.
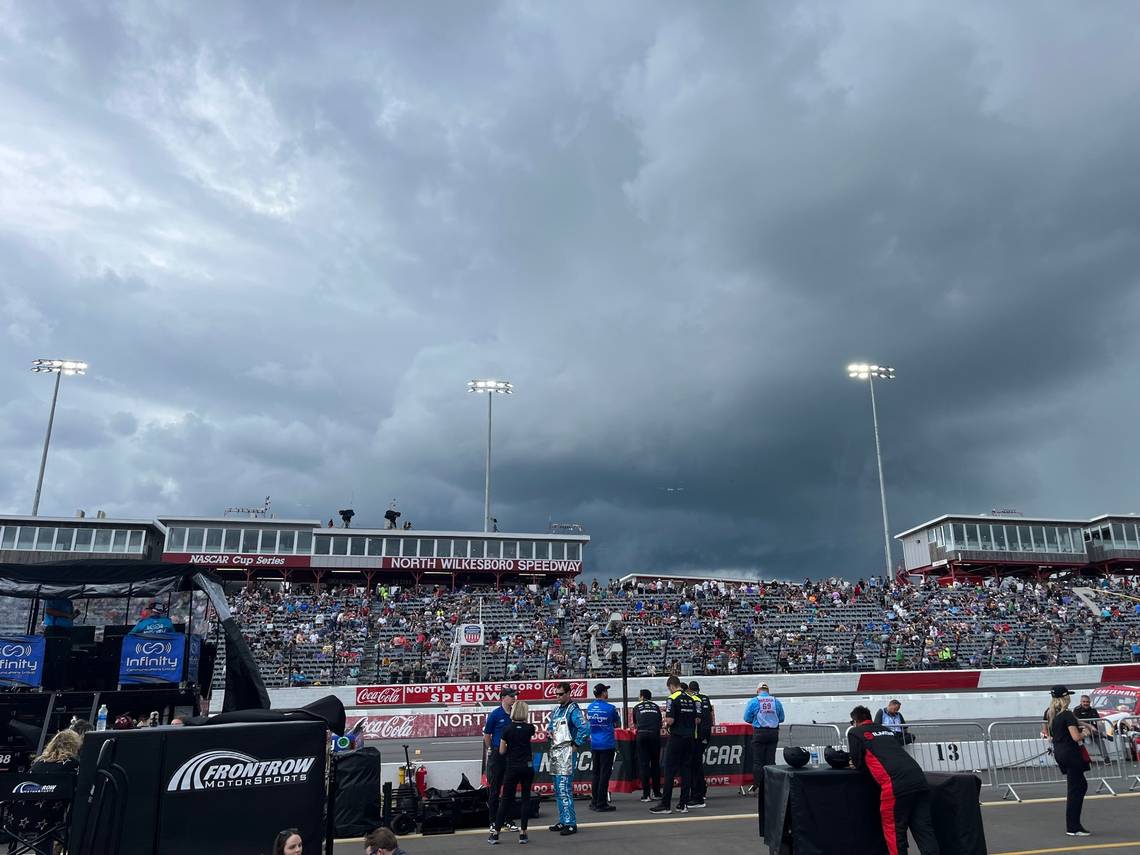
{"x":904,"y":795}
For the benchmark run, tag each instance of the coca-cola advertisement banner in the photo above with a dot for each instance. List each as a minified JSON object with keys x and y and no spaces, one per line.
{"x":420,"y":694}
{"x":397,"y":726}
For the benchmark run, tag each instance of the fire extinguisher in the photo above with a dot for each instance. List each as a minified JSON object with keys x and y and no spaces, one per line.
{"x":421,"y":781}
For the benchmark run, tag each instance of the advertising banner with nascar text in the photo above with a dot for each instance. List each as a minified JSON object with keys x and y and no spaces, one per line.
{"x":728,"y":762}
{"x":421,"y":694}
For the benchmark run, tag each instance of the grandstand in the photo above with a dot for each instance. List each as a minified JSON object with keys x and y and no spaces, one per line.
{"x":333,"y":606}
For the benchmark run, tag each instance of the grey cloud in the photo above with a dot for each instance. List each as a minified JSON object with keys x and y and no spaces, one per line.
{"x":285,"y":243}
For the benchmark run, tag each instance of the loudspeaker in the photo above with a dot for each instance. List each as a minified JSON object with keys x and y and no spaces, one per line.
{"x":357,"y":806}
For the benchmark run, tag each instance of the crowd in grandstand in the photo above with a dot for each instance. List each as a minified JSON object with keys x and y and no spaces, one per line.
{"x":348,"y":634}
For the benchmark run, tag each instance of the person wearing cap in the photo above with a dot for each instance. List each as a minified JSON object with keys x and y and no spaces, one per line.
{"x":154,"y":620}
{"x":764,"y":713}
{"x":497,"y":721}
{"x":1070,"y":755}
{"x":647,"y":721}
{"x":682,"y":717}
{"x":603,"y":718}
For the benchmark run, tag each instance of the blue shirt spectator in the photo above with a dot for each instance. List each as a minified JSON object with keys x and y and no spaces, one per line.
{"x":154,"y":621}
{"x":59,"y":612}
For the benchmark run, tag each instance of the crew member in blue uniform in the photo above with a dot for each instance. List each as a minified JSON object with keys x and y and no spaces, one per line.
{"x":603,"y":718}
{"x":497,"y":721}
{"x":764,"y":713}
{"x":154,"y":620}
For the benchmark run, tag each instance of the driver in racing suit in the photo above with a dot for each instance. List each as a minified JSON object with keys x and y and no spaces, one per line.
{"x":568,"y":730}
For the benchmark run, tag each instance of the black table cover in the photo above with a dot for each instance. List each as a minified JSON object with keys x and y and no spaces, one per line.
{"x":824,"y":811}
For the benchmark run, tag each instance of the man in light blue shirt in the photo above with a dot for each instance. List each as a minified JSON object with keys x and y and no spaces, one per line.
{"x":764,"y":713}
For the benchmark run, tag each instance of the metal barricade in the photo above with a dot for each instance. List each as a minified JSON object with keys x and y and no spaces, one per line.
{"x":1123,"y":734}
{"x":950,"y":746}
{"x":815,"y":736}
{"x":1023,"y":755}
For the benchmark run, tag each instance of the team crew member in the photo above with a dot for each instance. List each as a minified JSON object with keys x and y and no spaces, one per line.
{"x":603,"y":718}
{"x":681,"y":717}
{"x":647,"y":722}
{"x":904,"y":795}
{"x":516,"y":750}
{"x":704,"y":735}
{"x":568,"y":730}
{"x":764,"y":713}
{"x":497,"y":721}
{"x":1068,"y":739}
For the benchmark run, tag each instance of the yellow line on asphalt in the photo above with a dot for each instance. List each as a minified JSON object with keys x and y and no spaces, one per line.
{"x":1085,"y":848}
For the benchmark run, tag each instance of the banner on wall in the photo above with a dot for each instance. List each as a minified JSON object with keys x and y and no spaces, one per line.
{"x":728,"y":762}
{"x":21,"y":661}
{"x":418,"y":694}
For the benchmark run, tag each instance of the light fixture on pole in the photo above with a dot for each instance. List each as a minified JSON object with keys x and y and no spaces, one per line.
{"x":58,"y":367}
{"x":871,"y":373}
{"x":491,"y":388}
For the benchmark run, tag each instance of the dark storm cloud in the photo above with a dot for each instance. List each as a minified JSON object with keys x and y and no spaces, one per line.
{"x":285,"y":243}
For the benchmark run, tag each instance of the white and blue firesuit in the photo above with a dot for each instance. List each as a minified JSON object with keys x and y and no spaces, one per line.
{"x":568,"y":730}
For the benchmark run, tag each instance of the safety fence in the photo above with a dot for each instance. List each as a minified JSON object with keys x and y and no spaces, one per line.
{"x":1014,"y":754}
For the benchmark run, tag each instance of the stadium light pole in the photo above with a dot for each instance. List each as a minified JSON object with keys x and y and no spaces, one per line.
{"x":871,"y":373}
{"x":58,"y":367}
{"x":491,"y":388}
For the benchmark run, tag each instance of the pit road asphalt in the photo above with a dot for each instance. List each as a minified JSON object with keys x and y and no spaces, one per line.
{"x":728,"y":825}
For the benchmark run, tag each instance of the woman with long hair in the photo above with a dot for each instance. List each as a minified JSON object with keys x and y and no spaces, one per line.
{"x":288,"y":842}
{"x":514,"y":745}
{"x":1071,"y":757}
{"x":60,"y":757}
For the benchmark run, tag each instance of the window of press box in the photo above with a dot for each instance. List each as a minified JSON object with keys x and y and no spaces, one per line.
{"x":357,"y":545}
{"x":176,"y":539}
{"x":492,"y":548}
{"x":510,"y":549}
{"x":136,"y":541}
{"x":304,"y":542}
{"x":340,"y":545}
{"x":526,"y":549}
{"x":103,"y":540}
{"x":558,"y":551}
{"x":249,"y":540}
{"x":120,"y":541}
{"x":8,"y":538}
{"x":195,"y":539}
{"x":269,"y":541}
{"x":324,"y":546}
{"x":233,"y":540}
{"x":542,"y":550}
{"x":63,"y":539}
{"x":213,"y":539}
{"x":84,"y":539}
{"x":574,"y":551}
{"x":443,"y":548}
{"x":375,"y":546}
{"x":27,"y":538}
{"x":45,"y":539}
{"x":476,"y":549}
{"x":285,"y":541}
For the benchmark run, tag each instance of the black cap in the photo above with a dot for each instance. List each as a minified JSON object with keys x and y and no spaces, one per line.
{"x":508,"y":691}
{"x":599,"y":688}
{"x":1059,"y":692}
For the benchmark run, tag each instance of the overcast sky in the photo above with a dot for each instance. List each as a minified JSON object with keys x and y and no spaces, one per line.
{"x":285,"y":235}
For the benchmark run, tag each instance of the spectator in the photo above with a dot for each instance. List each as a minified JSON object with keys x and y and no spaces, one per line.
{"x":892,"y":718}
{"x":381,"y":841}
{"x":60,"y":757}
{"x":288,"y":842}
{"x":1071,"y":757}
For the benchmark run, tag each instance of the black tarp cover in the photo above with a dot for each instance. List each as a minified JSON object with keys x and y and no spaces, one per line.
{"x":79,"y":579}
{"x":98,"y":578}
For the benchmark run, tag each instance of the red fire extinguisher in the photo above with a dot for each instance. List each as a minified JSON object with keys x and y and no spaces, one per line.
{"x":421,"y":781}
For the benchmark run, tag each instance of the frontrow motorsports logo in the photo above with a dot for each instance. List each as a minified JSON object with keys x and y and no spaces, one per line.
{"x":31,"y":788}
{"x":227,"y":770}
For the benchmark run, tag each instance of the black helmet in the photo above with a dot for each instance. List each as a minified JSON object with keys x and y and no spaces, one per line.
{"x":836,"y":758}
{"x":796,"y":757}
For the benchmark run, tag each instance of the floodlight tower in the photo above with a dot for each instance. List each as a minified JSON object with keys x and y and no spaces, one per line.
{"x":58,"y":367}
{"x":871,"y":373}
{"x":491,"y":388}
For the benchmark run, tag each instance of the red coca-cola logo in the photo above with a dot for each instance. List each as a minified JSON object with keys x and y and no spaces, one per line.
{"x":551,"y":690}
{"x":376,"y":696}
{"x":405,"y":726}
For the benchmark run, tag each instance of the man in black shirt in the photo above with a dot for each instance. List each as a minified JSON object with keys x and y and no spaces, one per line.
{"x":647,"y":721}
{"x":1087,"y":715}
{"x":904,"y":795}
{"x":681,"y":716}
{"x":704,"y":735}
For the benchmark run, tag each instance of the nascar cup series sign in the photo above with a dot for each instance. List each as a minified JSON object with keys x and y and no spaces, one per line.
{"x":148,"y":659}
{"x":21,"y":661}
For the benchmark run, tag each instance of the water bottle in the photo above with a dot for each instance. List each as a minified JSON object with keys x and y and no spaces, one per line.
{"x":814,"y":756}
{"x":101,"y":719}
